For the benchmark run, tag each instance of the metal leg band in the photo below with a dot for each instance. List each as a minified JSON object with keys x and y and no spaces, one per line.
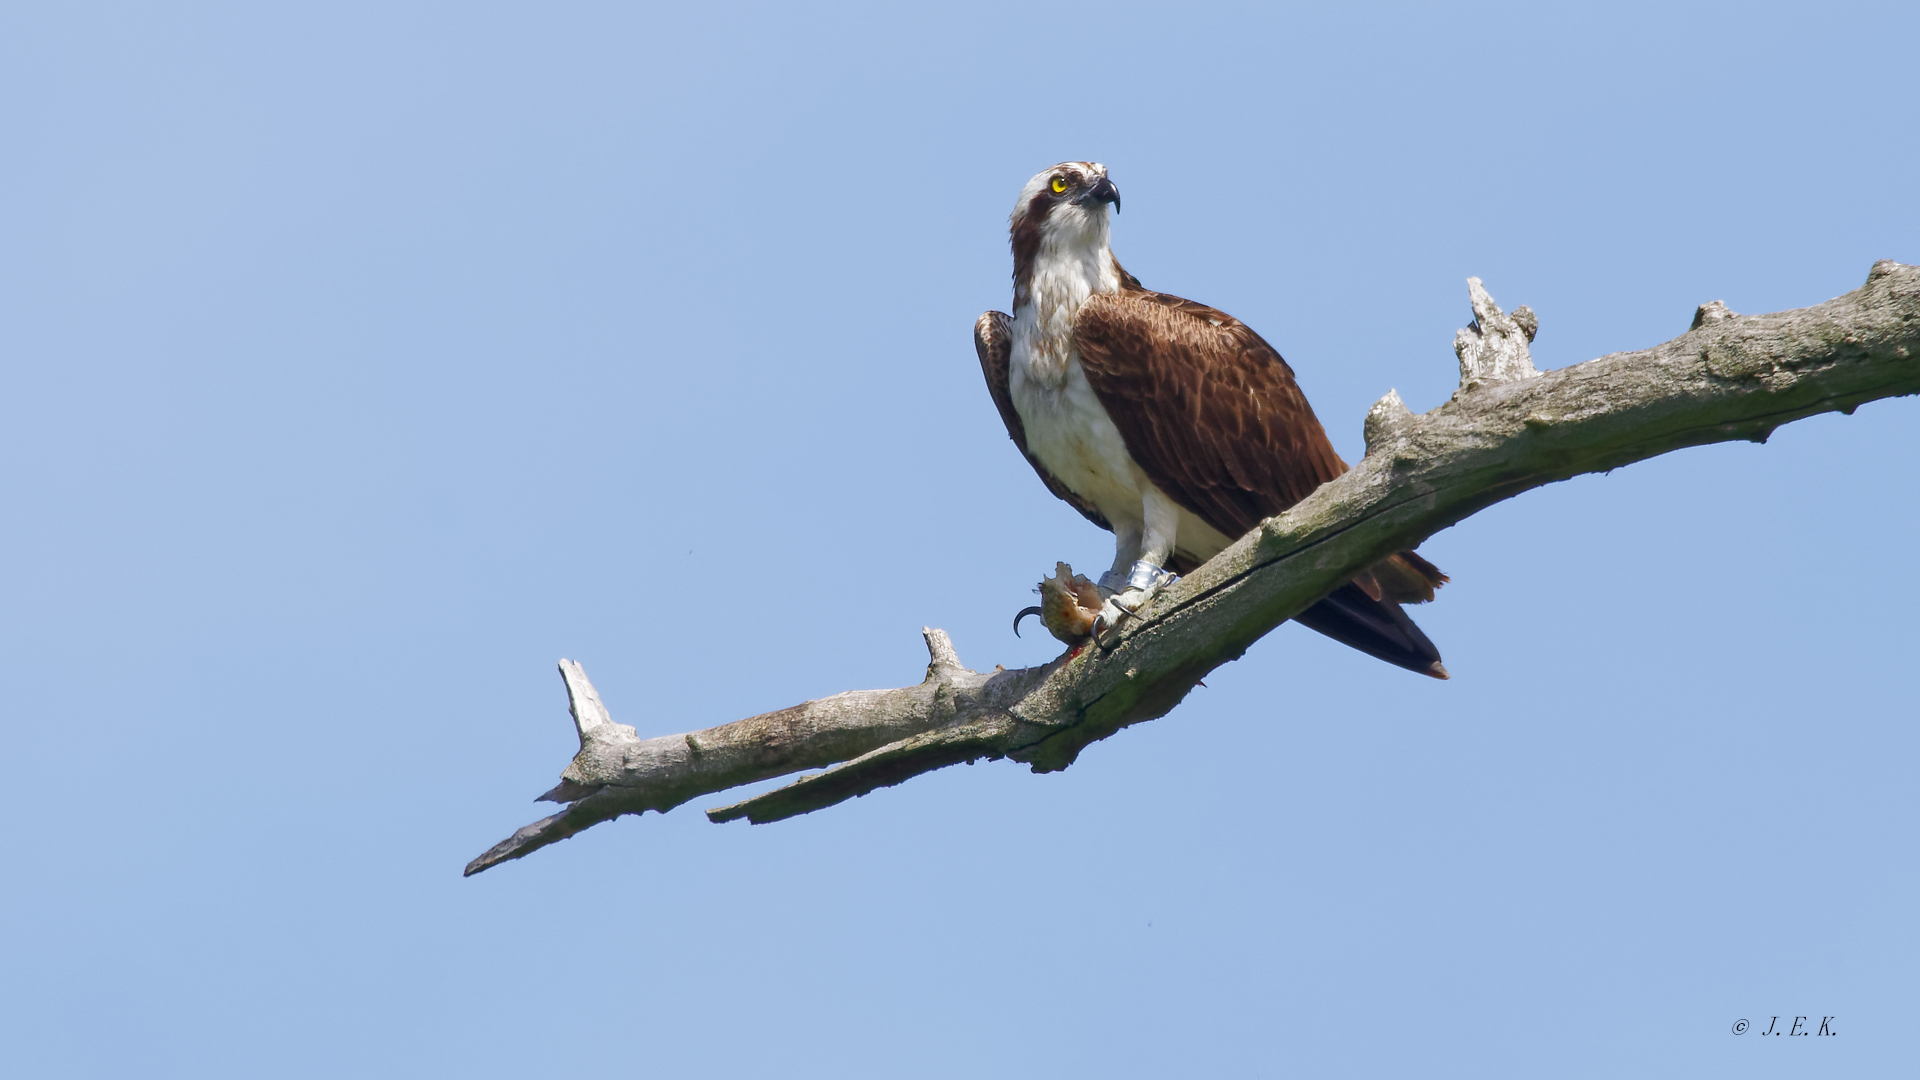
{"x":1147,"y":577}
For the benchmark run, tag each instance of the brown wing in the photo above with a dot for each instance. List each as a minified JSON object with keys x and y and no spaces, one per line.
{"x":993,"y":340}
{"x":1209,"y":410}
{"x":1214,"y":417}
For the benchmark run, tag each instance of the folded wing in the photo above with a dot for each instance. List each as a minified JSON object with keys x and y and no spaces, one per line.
{"x":1208,"y":410}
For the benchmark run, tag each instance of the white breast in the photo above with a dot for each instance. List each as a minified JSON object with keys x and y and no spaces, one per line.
{"x":1067,"y":428}
{"x":1069,"y":431}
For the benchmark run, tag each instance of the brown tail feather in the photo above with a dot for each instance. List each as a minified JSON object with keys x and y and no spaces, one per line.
{"x":1405,"y":578}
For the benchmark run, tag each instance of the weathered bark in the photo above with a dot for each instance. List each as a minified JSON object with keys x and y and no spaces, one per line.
{"x":1506,"y":430}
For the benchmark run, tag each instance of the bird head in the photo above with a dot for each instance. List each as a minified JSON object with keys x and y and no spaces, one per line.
{"x":1062,"y":210}
{"x":1068,"y":199}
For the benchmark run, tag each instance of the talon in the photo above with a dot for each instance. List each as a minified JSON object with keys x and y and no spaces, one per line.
{"x":1024,"y":612}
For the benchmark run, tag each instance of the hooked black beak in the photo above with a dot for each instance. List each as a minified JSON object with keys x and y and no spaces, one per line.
{"x":1102,"y":191}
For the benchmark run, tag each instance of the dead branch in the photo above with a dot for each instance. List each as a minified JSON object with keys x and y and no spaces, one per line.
{"x":1507,"y":429}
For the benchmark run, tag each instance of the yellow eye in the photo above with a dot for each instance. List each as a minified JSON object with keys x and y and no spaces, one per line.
{"x":1059,"y":184}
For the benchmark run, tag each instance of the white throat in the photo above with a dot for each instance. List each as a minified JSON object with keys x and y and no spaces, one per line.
{"x":1074,"y":262}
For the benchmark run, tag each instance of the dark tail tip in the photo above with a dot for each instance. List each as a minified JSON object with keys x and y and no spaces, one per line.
{"x":1376,"y":627}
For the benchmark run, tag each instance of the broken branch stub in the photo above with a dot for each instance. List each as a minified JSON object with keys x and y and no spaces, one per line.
{"x":1386,"y":421}
{"x":1494,"y":348}
{"x":1712,"y":311}
{"x":1508,"y":429}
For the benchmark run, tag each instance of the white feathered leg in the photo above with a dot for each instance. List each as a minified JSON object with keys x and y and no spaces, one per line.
{"x":1133,"y":581}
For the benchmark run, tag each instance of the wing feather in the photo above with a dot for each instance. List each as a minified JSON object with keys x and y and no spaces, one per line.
{"x":993,"y":341}
{"x":1208,"y":409}
{"x":1214,"y":417}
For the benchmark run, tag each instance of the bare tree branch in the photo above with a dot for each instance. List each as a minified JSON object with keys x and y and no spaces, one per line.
{"x":1508,"y":429}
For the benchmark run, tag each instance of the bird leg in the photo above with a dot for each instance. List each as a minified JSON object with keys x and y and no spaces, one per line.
{"x":1146,"y":572}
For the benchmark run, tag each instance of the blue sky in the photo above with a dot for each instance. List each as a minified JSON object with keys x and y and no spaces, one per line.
{"x":358,"y":363}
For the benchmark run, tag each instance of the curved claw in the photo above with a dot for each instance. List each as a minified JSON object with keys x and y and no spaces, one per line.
{"x":1024,"y":612}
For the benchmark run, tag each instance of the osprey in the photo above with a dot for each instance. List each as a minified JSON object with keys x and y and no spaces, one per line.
{"x":1168,"y":423}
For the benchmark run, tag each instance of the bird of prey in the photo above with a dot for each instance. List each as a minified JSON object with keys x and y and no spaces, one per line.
{"x":1167,"y":422}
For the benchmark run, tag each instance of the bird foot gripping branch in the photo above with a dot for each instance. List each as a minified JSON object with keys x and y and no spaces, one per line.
{"x":1075,"y":610}
{"x":1127,"y":594}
